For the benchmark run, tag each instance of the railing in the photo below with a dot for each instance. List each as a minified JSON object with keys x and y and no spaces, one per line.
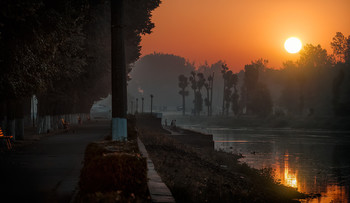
{"x":6,"y":141}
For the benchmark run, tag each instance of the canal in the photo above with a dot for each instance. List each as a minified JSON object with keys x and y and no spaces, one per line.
{"x":313,"y":161}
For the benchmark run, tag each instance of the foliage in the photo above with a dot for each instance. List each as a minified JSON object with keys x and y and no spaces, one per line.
{"x":339,"y":46}
{"x":257,"y":95}
{"x":60,"y":51}
{"x":40,"y":40}
{"x":261,"y":101}
{"x":230,"y":81}
{"x":313,"y":56}
{"x":197,"y":82}
{"x":113,"y":166}
{"x":209,"y":90}
{"x":167,"y":68}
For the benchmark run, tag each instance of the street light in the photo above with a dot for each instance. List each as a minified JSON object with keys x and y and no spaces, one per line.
{"x":132,"y":107}
{"x":142,"y":104}
{"x":137,"y":105}
{"x":151,"y":102}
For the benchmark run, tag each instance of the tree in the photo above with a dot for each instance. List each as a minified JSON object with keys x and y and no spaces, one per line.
{"x":257,"y":95}
{"x":292,"y":95}
{"x":314,"y":67}
{"x":251,"y":76}
{"x":230,"y":80}
{"x":183,"y":83}
{"x":337,"y":82}
{"x":224,"y":69}
{"x":235,"y":100}
{"x":194,"y":87}
{"x":262,"y":103}
{"x":48,"y":48}
{"x":313,"y":57}
{"x":347,"y":52}
{"x":197,"y":82}
{"x":339,"y":46}
{"x":209,"y":90}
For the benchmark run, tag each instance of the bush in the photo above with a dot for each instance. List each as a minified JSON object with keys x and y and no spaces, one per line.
{"x":113,"y":171}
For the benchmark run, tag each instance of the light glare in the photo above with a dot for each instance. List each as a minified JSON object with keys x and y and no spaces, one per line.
{"x":292,"y":45}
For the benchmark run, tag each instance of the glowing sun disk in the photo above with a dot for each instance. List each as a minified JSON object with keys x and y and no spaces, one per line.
{"x":292,"y":45}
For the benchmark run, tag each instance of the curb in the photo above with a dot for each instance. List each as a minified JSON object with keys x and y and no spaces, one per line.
{"x":158,"y":190}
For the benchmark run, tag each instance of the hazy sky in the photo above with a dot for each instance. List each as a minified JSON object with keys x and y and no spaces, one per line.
{"x":239,"y":31}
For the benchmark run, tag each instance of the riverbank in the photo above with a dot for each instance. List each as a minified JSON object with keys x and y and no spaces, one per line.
{"x":195,"y":172}
{"x":285,"y":122}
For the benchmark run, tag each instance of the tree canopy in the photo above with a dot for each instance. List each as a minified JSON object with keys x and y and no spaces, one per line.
{"x":62,"y":48}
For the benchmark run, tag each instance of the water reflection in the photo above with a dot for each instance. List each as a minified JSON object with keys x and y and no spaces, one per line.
{"x":289,"y":177}
{"x":313,"y":162}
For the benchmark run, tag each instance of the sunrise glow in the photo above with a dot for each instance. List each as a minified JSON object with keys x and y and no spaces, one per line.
{"x":292,"y":45}
{"x":231,"y":31}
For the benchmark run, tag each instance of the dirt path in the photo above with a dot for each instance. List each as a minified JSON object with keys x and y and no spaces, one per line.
{"x":48,"y":170}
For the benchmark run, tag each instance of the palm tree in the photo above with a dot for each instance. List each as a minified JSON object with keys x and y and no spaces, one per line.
{"x":193,"y":81}
{"x":209,"y":89}
{"x":230,"y":80}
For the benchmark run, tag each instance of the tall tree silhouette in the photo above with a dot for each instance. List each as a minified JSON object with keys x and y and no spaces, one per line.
{"x":209,"y":90}
{"x":313,"y":57}
{"x":183,"y":83}
{"x":224,"y":69}
{"x":197,"y":82}
{"x":235,"y":99}
{"x":338,"y":44}
{"x":193,"y":81}
{"x":258,"y":98}
{"x":230,"y":80}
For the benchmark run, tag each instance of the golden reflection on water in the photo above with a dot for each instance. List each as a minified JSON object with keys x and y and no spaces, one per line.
{"x":290,"y":177}
{"x":329,"y":192}
{"x":291,"y":169}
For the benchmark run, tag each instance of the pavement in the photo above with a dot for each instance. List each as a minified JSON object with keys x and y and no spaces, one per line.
{"x":48,"y":169}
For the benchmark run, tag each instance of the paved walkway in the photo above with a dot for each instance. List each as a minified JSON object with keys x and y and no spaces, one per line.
{"x":172,"y":132}
{"x":195,"y":139}
{"x":48,"y":170}
{"x":158,"y":190}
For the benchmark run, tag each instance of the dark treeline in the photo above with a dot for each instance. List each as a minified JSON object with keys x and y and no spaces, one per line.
{"x":316,"y":84}
{"x":60,"y":52}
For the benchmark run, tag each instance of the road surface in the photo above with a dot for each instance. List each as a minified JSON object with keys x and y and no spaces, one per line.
{"x":48,"y":170}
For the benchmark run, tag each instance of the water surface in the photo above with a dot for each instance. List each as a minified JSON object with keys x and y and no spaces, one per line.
{"x":315,"y":161}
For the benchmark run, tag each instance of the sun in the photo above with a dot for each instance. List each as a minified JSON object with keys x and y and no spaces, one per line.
{"x":293,"y":45}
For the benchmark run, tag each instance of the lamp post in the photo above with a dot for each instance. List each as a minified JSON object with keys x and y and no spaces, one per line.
{"x":151,"y":102}
{"x":137,"y":105}
{"x":132,"y":107}
{"x":142,"y":104}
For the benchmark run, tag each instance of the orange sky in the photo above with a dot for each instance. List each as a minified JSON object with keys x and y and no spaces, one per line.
{"x":239,"y":31}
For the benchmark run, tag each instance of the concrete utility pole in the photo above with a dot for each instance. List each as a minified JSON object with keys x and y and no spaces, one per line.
{"x":142,"y":104}
{"x":119,"y":96}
